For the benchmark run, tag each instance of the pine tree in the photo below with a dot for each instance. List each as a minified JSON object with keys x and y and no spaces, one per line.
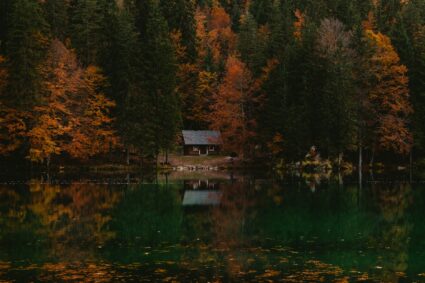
{"x":25,"y":49}
{"x":159,"y":65}
{"x":86,"y":25}
{"x":337,"y":107}
{"x":5,"y":12}
{"x":57,"y":16}
{"x":252,"y":44}
{"x":261,"y":9}
{"x":180,"y":15}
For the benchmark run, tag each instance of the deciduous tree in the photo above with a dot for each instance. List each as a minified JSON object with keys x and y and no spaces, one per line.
{"x":389,"y":96}
{"x":231,"y":111}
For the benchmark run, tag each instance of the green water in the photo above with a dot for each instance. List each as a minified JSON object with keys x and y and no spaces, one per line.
{"x":243,"y":229}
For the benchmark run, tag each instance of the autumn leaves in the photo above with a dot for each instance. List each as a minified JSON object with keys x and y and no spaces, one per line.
{"x":73,"y":114}
{"x":80,"y":78}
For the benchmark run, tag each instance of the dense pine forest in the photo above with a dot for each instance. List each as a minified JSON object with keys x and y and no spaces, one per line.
{"x":91,"y":79}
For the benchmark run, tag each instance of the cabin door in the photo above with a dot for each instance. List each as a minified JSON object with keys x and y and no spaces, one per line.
{"x":203,"y":150}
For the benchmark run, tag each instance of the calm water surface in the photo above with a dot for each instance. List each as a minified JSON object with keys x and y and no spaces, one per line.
{"x":211,"y":228}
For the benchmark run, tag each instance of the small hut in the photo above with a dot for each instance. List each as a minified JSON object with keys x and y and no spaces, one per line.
{"x":202,"y":142}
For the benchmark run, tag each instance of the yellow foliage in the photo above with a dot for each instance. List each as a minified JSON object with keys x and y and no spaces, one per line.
{"x":389,"y":96}
{"x":74,"y":114}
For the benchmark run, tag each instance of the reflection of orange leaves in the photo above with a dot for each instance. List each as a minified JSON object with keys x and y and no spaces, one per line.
{"x":87,"y":206}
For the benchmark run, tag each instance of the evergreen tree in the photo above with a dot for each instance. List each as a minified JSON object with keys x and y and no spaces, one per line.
{"x":180,"y":15}
{"x":86,"y":25}
{"x":337,"y":107}
{"x":26,"y":45}
{"x":5,"y":11}
{"x":261,"y":10}
{"x":159,"y":63}
{"x":252,"y":44}
{"x":57,"y":16}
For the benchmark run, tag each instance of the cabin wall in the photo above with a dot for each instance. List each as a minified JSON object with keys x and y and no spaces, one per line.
{"x":196,"y":150}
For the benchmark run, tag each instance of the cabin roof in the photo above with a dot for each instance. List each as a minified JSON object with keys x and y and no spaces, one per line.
{"x":201,"y":198}
{"x":202,"y":137}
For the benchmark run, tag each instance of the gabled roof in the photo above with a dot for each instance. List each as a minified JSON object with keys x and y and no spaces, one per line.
{"x":202,"y":137}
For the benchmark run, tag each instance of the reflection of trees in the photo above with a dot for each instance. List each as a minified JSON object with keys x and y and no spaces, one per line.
{"x":74,"y":216}
{"x":222,"y":244}
{"x":228,"y":221}
{"x":148,"y":215}
{"x":20,"y":228}
{"x":392,"y":239}
{"x":68,"y":219}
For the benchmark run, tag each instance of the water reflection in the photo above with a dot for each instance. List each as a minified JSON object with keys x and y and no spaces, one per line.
{"x":392,"y":238}
{"x":223,"y":228}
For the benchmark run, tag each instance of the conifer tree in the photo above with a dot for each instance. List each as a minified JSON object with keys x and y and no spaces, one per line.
{"x":87,"y":19}
{"x":26,"y":45}
{"x":159,"y":63}
{"x":57,"y":16}
{"x":252,"y":44}
{"x":337,"y":107}
{"x":180,"y":15}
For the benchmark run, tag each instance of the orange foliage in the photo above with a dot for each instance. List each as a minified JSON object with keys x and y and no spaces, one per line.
{"x":214,"y":33}
{"x":231,"y":110}
{"x":92,"y":132}
{"x":276,"y":145}
{"x":73,"y":116}
{"x":370,"y":22}
{"x":299,"y":24}
{"x":389,"y":96}
{"x":205,"y":88}
{"x":219,"y":18}
{"x":13,"y":126}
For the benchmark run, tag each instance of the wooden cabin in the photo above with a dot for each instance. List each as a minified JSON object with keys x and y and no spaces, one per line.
{"x":197,"y":143}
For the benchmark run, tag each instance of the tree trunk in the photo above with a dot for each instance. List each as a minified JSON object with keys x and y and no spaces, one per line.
{"x":411,"y":165}
{"x":340,"y":156}
{"x":372,"y":159}
{"x":48,"y":163}
{"x":360,"y":166}
{"x":166,"y":156}
{"x":128,"y":157}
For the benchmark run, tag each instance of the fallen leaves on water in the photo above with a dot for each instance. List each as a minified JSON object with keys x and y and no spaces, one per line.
{"x":269,"y":273}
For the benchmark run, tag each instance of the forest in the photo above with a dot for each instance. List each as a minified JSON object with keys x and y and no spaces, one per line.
{"x":84,"y":80}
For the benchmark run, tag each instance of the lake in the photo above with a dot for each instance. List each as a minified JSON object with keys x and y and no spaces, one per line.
{"x":211,"y":227}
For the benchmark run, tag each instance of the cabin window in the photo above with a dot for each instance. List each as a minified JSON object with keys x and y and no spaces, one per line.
{"x":195,"y":148}
{"x":211,"y":148}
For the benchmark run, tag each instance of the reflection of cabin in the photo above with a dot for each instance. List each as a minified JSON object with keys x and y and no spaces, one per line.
{"x":201,"y":142}
{"x":201,"y":192}
{"x":201,"y":198}
{"x":200,"y":185}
